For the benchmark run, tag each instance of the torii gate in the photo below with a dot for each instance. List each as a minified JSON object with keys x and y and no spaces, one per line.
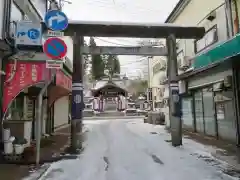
{"x":79,"y":29}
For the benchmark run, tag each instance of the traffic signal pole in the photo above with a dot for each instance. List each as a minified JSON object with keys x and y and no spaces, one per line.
{"x":174,"y":98}
{"x":77,"y":94}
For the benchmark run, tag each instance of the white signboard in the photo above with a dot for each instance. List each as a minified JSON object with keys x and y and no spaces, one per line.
{"x":28,"y":33}
{"x":54,"y":64}
{"x":55,"y":33}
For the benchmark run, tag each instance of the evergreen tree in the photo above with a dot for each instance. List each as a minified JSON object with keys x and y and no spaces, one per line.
{"x":98,"y":66}
{"x":112,"y":64}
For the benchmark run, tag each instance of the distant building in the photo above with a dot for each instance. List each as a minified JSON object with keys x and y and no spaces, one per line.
{"x":157,"y":74}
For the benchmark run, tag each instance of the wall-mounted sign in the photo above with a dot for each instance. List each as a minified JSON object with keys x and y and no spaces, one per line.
{"x":28,"y":33}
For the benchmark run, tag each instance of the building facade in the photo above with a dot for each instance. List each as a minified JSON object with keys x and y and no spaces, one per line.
{"x":26,"y":74}
{"x":207,"y":78}
{"x":157,"y":74}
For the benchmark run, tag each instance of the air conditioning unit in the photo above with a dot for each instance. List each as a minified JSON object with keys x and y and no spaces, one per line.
{"x":184,"y":63}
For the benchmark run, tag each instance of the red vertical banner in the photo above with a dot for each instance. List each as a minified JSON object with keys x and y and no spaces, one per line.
{"x":26,"y":74}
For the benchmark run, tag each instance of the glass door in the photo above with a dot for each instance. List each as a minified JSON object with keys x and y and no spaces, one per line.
{"x":209,"y":112}
{"x":199,"y":111}
{"x":187,"y":116}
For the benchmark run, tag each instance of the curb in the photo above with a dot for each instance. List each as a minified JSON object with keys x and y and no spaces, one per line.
{"x":65,"y":157}
{"x":44,"y":171}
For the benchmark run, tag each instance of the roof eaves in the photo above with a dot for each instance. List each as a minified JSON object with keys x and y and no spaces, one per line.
{"x":177,"y":10}
{"x":192,"y":73}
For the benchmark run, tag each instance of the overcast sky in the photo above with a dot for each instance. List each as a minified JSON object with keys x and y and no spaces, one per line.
{"x":124,"y":11}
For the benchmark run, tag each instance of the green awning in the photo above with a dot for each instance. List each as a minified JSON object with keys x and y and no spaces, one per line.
{"x":219,"y":53}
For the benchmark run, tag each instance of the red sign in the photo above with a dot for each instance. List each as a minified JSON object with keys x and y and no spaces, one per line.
{"x":63,"y":80}
{"x":55,"y":48}
{"x":27,"y":74}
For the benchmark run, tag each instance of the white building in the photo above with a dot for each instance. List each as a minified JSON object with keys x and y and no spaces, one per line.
{"x":207,"y":67}
{"x":157,"y":74}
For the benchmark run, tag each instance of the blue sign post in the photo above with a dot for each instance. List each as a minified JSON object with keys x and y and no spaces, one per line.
{"x":77,"y":100}
{"x":56,"y":20}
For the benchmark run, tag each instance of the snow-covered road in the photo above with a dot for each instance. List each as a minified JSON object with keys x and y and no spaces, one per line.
{"x":132,"y":150}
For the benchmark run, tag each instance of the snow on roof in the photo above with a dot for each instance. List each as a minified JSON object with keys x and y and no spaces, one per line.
{"x":100,"y":84}
{"x":120,"y":84}
{"x":103,"y":83}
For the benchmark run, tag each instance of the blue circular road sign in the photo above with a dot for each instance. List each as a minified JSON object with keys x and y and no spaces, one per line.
{"x":55,"y":48}
{"x":56,"y":20}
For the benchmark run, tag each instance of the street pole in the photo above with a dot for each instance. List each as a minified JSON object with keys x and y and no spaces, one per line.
{"x":39,"y":121}
{"x":174,"y":98}
{"x":40,"y":115}
{"x":77,"y":94}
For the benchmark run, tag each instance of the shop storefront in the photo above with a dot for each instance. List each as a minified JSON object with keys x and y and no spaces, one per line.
{"x":23,"y":82}
{"x":209,"y":107}
{"x":58,"y":102}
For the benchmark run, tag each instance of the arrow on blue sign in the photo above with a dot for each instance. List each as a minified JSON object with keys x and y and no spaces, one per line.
{"x":56,"y":20}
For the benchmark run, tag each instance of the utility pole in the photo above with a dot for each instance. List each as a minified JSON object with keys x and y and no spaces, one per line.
{"x":77,"y":94}
{"x":150,"y":100}
{"x":174,"y":98}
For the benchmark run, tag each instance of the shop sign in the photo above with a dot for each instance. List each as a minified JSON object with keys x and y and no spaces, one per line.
{"x":27,"y":74}
{"x":63,"y":80}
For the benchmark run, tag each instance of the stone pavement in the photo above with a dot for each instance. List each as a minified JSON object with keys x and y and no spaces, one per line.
{"x":16,"y":172}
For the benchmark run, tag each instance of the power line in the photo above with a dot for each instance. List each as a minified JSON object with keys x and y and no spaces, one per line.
{"x":124,"y":6}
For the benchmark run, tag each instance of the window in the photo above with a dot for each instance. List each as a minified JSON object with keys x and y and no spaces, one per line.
{"x":180,"y":57}
{"x":15,"y":111}
{"x":150,"y":94}
{"x":16,"y":15}
{"x":198,"y":101}
{"x":209,"y":111}
{"x":209,"y":38}
{"x":187,"y":116}
{"x":41,"y":6}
